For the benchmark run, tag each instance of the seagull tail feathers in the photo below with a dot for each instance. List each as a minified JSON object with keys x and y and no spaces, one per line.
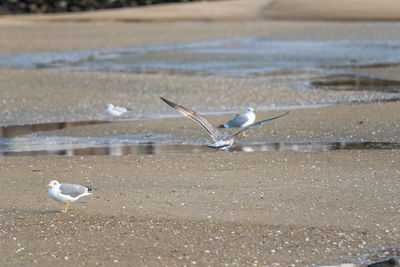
{"x":222,"y":126}
{"x":89,"y":188}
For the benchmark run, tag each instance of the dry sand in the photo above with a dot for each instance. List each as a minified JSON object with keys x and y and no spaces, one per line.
{"x":263,"y":208}
{"x":349,"y":10}
{"x":210,"y":208}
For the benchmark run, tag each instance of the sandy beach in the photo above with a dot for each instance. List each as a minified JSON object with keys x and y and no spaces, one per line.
{"x":242,"y":208}
{"x":211,"y":208}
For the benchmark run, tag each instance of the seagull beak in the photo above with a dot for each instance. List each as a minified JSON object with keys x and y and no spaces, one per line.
{"x":49,"y":185}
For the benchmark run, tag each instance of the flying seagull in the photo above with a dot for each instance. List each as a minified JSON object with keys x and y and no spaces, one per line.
{"x":240,"y":120}
{"x":220,"y":141}
{"x":67,"y":192}
{"x":115,"y":110}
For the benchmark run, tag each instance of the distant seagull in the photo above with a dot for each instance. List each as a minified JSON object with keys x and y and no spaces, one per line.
{"x":115,"y":110}
{"x":240,"y":120}
{"x":220,"y":141}
{"x":67,"y":192}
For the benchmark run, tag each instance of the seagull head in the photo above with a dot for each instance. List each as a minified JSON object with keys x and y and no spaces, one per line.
{"x":110,"y":106}
{"x":53,"y":184}
{"x":249,"y":109}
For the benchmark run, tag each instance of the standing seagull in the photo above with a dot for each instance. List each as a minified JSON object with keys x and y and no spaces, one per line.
{"x":241,"y":120}
{"x":220,"y":141}
{"x":67,"y":192}
{"x":115,"y":110}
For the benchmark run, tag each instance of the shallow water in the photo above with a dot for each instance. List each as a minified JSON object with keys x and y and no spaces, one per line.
{"x":309,"y":64}
{"x":30,"y":140}
{"x":380,"y":256}
{"x":232,"y":56}
{"x":120,"y":149}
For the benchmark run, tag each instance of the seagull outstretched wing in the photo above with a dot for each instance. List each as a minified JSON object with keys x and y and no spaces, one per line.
{"x":195,"y":117}
{"x":255,"y":125}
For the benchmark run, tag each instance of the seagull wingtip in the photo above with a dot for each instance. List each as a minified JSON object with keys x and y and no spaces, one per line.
{"x":170,"y":103}
{"x":165,"y":100}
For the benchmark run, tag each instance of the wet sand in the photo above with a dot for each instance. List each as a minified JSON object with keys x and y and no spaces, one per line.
{"x":261,"y":208}
{"x":377,"y":122}
{"x":76,"y":96}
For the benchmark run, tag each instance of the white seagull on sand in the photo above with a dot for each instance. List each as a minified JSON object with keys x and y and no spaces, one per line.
{"x":67,"y":192}
{"x":115,"y":110}
{"x":241,"y":120}
{"x":220,"y":141}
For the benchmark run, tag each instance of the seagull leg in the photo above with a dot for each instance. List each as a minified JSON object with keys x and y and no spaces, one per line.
{"x":63,"y":210}
{"x":66,"y":207}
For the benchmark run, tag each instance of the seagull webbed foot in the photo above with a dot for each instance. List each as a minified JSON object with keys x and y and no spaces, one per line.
{"x":65,"y":208}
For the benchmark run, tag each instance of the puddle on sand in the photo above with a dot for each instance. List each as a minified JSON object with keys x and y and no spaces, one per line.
{"x":16,"y":130}
{"x":163,"y":148}
{"x":384,"y":263}
{"x":25,"y":140}
{"x":352,"y":82}
{"x":380,"y":256}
